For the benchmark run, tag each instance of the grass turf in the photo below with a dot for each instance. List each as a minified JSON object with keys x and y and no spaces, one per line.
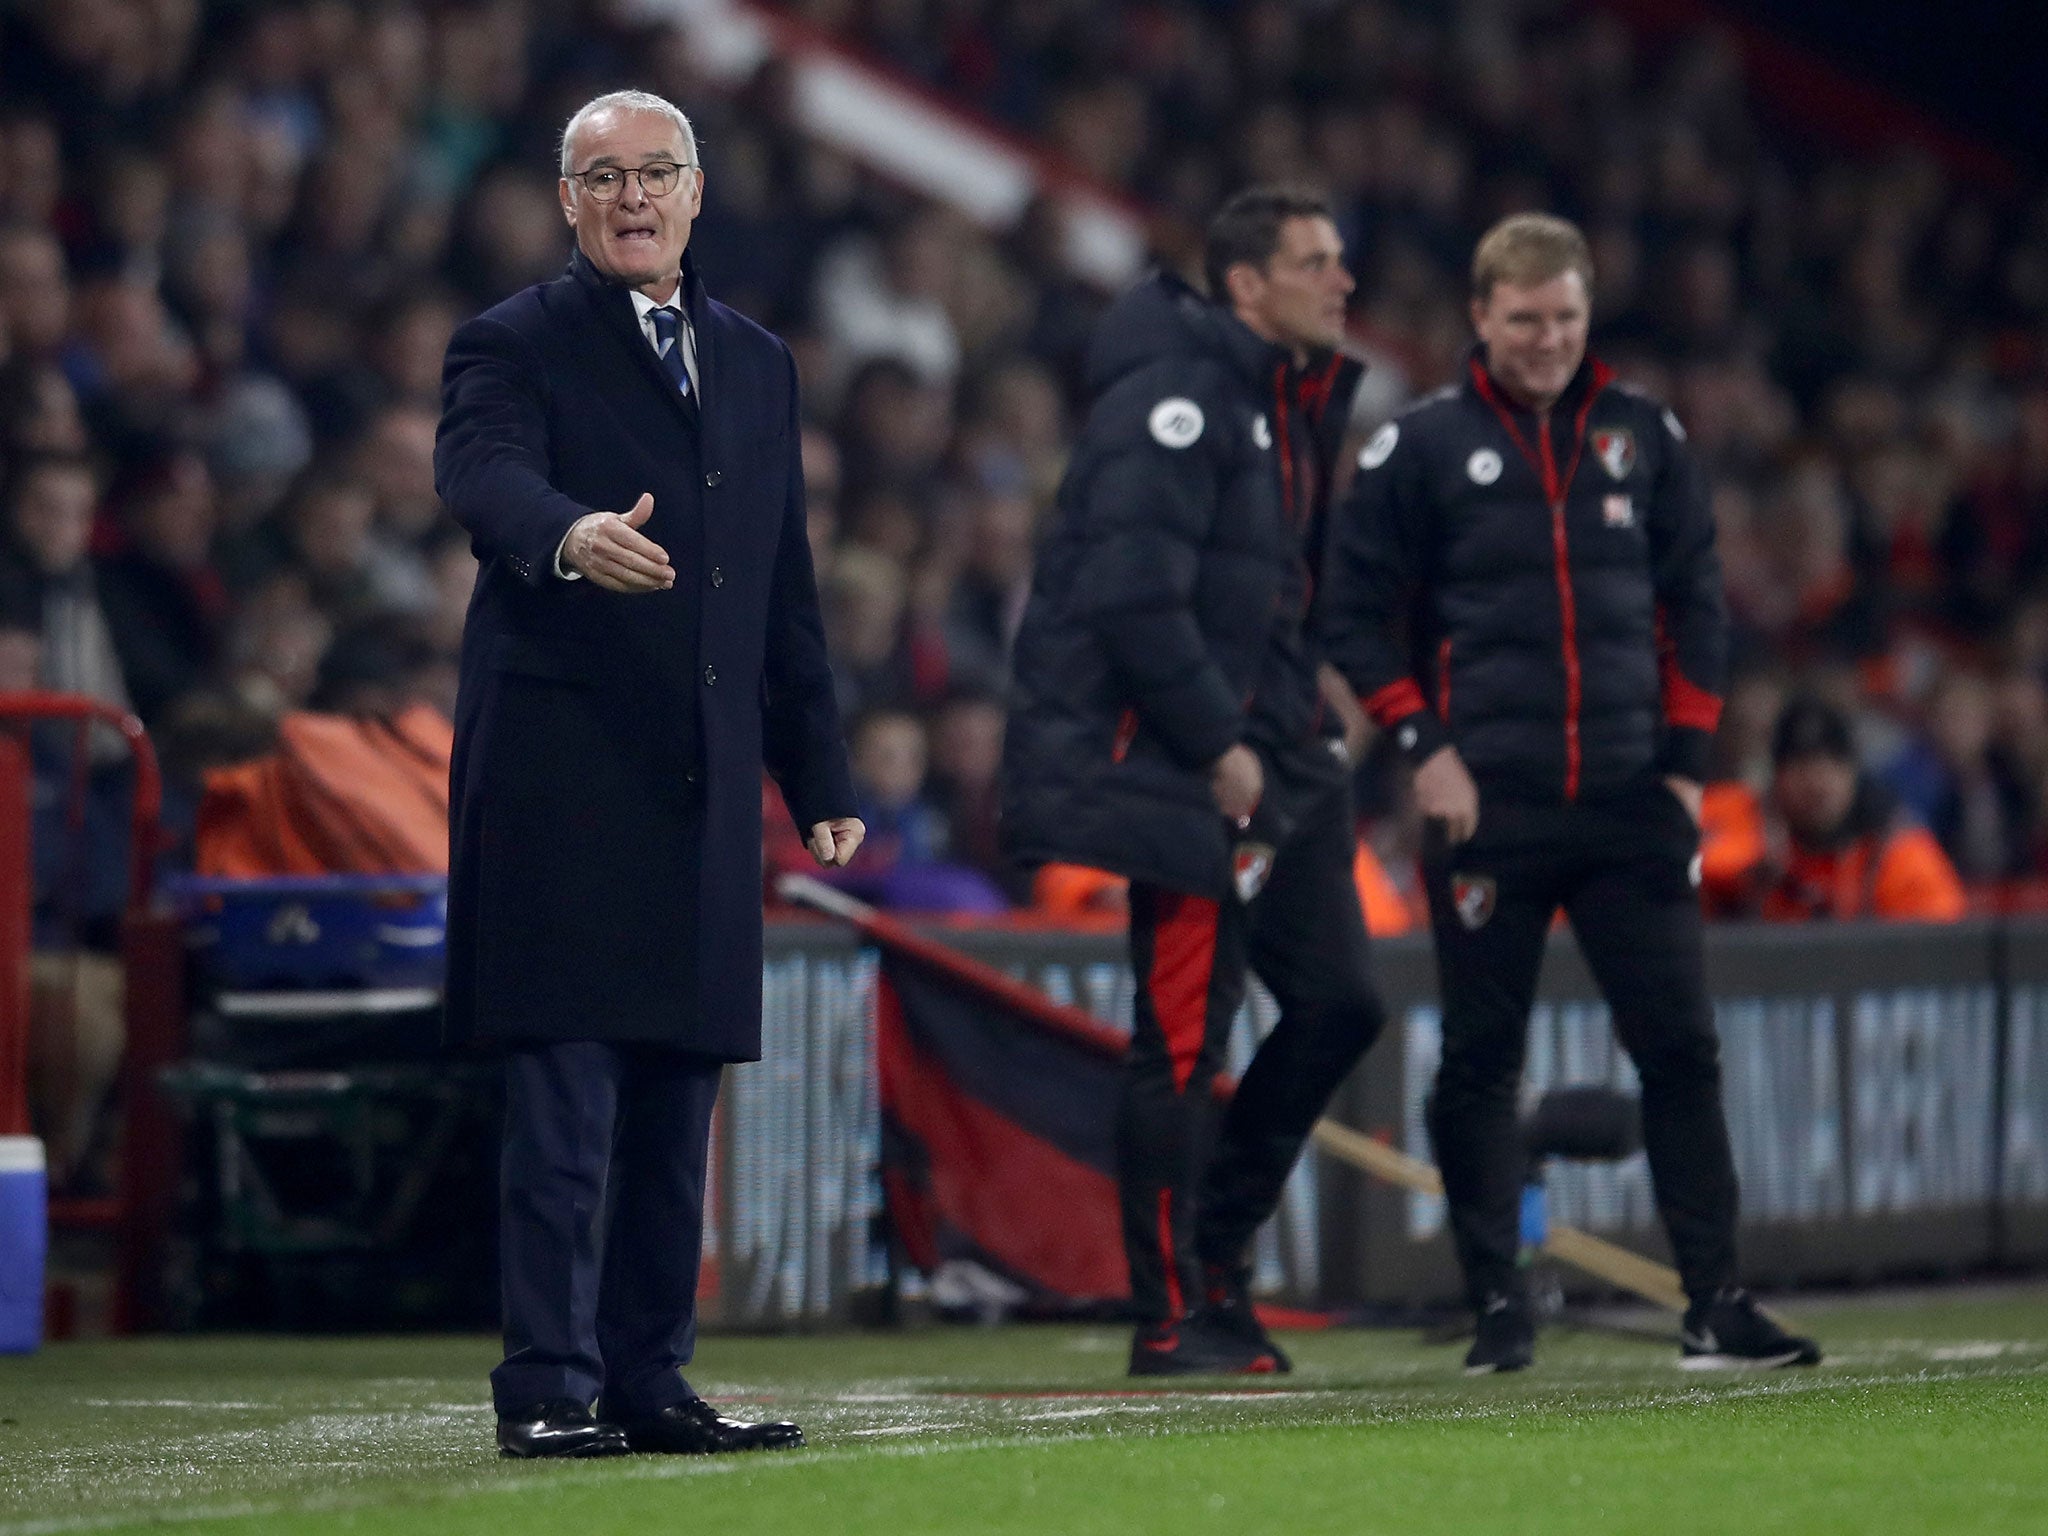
{"x":1931,"y":1415}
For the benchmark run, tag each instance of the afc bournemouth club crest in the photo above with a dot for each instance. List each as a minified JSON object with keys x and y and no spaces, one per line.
{"x":1473,"y":896}
{"x":1615,"y":448}
{"x":1250,"y":863}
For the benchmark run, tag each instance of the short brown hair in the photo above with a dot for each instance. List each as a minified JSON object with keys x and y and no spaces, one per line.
{"x":1247,"y":229}
{"x":1527,"y":249}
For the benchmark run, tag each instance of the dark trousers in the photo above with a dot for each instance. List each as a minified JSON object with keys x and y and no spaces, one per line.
{"x":1196,"y":1184}
{"x":601,"y":1223}
{"x":1622,"y":870}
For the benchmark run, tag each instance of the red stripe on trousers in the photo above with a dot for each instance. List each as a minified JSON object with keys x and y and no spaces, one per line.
{"x":1183,"y":962}
{"x":1175,"y":1307}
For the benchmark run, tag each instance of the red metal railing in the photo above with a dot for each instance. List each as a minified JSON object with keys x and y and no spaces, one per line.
{"x":152,"y":962}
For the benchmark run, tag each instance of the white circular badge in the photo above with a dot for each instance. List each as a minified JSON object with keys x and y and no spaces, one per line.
{"x":1673,"y":425}
{"x":1483,"y":467}
{"x":1175,"y":423}
{"x":1376,"y":452}
{"x":1261,"y":433}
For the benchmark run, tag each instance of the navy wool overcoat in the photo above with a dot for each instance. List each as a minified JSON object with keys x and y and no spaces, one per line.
{"x":605,"y":877}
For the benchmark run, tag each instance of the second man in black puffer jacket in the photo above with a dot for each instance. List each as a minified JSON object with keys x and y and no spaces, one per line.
{"x":1170,"y":724}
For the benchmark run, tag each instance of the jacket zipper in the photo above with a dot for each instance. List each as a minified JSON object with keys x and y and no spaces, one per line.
{"x":1556,"y":488}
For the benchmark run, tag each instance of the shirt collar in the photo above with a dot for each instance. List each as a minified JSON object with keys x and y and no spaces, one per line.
{"x":644,"y":306}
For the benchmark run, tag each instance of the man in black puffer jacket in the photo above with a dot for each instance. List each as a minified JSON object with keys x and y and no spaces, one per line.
{"x":1523,"y":589}
{"x":1172,"y":722}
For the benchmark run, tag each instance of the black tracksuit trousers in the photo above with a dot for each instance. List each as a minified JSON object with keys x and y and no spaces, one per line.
{"x":1622,"y":868}
{"x":1197,"y":1179}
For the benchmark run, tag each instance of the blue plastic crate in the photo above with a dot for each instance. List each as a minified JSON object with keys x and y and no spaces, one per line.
{"x":315,"y":933}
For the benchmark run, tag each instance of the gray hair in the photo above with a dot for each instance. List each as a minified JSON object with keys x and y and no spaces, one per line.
{"x":629,"y":101}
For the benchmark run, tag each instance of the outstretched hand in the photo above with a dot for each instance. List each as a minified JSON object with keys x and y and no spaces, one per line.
{"x":610,"y":550}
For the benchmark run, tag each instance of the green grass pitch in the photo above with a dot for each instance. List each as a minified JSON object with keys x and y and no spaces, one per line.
{"x":1931,"y":1415}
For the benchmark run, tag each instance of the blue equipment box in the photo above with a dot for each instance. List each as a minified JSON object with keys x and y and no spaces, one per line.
{"x":326,"y":933}
{"x":24,"y":1236}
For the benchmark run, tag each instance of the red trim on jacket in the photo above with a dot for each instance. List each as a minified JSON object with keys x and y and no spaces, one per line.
{"x":1686,"y":703}
{"x":1394,"y":703}
{"x":1126,"y":733}
{"x":1285,"y":435}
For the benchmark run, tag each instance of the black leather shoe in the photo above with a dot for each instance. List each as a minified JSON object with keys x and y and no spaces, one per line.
{"x":560,"y":1428}
{"x":695,"y":1428}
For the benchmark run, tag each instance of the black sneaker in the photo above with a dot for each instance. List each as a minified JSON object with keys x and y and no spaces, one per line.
{"x":1729,"y":1331}
{"x":1507,"y":1337}
{"x":1227,"y":1308}
{"x":1191,"y":1347}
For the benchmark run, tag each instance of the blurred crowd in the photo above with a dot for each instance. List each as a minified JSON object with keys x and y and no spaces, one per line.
{"x":234,"y":239}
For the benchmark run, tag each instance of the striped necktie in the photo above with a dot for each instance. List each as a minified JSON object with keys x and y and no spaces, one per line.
{"x":668,"y":346}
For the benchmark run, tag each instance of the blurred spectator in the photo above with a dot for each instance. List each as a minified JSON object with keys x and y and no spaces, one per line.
{"x":988,"y":592}
{"x":1959,"y":780}
{"x":889,"y":755}
{"x":865,"y":597}
{"x":888,"y":299}
{"x":966,"y":752}
{"x":35,"y":292}
{"x":50,"y":503}
{"x":275,"y":646}
{"x":894,"y":430}
{"x":39,"y":411}
{"x":1839,"y":846}
{"x":907,"y":861}
{"x":166,"y":604}
{"x":395,"y":459}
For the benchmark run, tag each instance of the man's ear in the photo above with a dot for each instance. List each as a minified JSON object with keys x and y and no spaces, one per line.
{"x":1242,"y":284}
{"x":568,"y":201}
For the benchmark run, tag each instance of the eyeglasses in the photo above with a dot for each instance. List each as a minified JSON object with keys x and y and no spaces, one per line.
{"x":658,"y":178}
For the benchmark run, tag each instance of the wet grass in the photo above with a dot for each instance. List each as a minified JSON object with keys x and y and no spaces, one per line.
{"x":1930,"y":1415}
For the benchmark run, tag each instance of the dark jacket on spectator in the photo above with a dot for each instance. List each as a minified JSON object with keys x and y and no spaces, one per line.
{"x":1542,"y":592}
{"x":1169,"y":604}
{"x":167,"y":626}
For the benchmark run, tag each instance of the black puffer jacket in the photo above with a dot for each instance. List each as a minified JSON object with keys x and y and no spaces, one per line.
{"x":1169,"y":605}
{"x":1544,"y":594}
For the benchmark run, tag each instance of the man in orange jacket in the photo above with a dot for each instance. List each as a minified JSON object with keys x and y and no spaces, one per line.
{"x":1844,"y":848}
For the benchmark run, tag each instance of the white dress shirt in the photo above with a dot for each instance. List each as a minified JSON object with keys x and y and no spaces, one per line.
{"x":686,"y":338}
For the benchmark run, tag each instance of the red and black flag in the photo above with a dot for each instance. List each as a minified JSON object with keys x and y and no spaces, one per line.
{"x":998,"y":1118}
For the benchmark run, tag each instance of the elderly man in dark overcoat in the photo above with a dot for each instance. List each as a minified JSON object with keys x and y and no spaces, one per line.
{"x":644,"y":636}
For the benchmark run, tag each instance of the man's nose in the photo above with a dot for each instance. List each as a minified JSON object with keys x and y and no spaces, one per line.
{"x":634,"y":193}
